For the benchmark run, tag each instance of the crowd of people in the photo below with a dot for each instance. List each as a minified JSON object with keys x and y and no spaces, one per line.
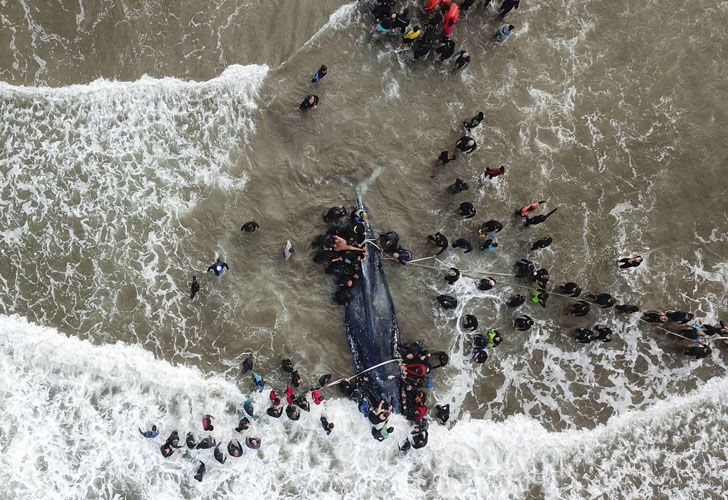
{"x":343,"y":246}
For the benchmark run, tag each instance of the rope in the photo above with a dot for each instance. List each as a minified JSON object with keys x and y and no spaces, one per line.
{"x":338,"y":381}
{"x":470,"y":275}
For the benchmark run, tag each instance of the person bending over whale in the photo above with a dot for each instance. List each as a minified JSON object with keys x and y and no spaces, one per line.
{"x":439,"y":240}
{"x":538,"y":219}
{"x":680,"y":317}
{"x":470,"y":322}
{"x":335,"y":213}
{"x":604,"y":333}
{"x":584,"y":335}
{"x":250,"y":227}
{"x":452,"y":275}
{"x":447,"y":301}
{"x":234,"y":448}
{"x":274,"y":411}
{"x":720,"y":329}
{"x":389,"y":241}
{"x":150,"y":434}
{"x":464,"y":244}
{"x":698,"y":351}
{"x":340,"y":245}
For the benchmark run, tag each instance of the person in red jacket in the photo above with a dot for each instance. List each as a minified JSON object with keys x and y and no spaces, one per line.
{"x":431,"y":4}
{"x":316,"y":396}
{"x":450,"y":19}
{"x":289,"y":395}
{"x":275,"y":400}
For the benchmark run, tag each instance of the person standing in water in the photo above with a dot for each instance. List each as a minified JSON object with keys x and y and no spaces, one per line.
{"x":218,"y":267}
{"x":628,"y":262}
{"x":194,"y":287}
{"x":466,"y":144}
{"x":322,"y":71}
{"x":503,"y":33}
{"x":462,"y":60}
{"x":538,"y":219}
{"x":474,"y":121}
{"x":309,"y":102}
{"x":507,"y":6}
{"x":150,"y":434}
{"x":250,"y":227}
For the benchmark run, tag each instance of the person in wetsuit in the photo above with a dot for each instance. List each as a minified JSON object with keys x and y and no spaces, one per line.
{"x":580,"y":308}
{"x":466,"y":210}
{"x":524,"y":268}
{"x":452,"y":275}
{"x":516,"y":300}
{"x":439,"y":240}
{"x":335,"y":213}
{"x":470,"y":322}
{"x":327,"y":426}
{"x":698,"y":351}
{"x":542,"y":243}
{"x":200,"y":472}
{"x":486,"y":284}
{"x":234,"y":448}
{"x":571,"y":289}
{"x":447,"y":301}
{"x":507,"y":6}
{"x":523,"y":323}
{"x":480,"y":356}
{"x":219,"y":455}
{"x":629,"y":262}
{"x":462,"y":60}
{"x":626,"y":308}
{"x":466,"y":144}
{"x":604,"y":300}
{"x":274,"y":411}
{"x":491,"y":226}
{"x":464,"y":244}
{"x":538,"y":219}
{"x":445,"y":50}
{"x":584,"y":335}
{"x":292,"y":412}
{"x":720,"y":329}
{"x":250,"y":227}
{"x":604,"y":333}
{"x":680,"y":317}
{"x":243,"y":424}
{"x":474,"y":121}
{"x":218,"y":267}
{"x":247,"y":364}
{"x":446,"y":157}
{"x":309,"y":102}
{"x":442,"y":414}
{"x":207,"y":443}
{"x":190,"y":441}
{"x":194,"y":287}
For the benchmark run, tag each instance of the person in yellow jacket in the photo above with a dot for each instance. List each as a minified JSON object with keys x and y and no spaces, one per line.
{"x":411,"y":35}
